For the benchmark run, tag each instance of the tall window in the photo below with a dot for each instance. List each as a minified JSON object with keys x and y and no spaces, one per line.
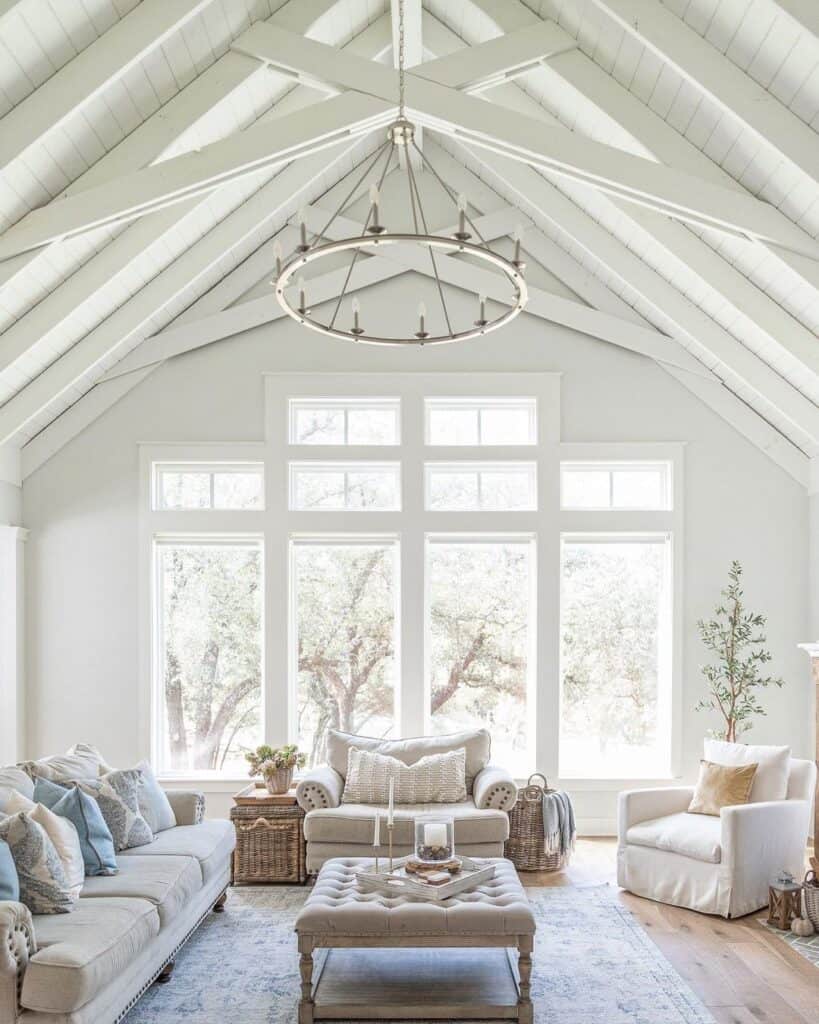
{"x":480,"y":616}
{"x":209,"y":601}
{"x":344,"y":595}
{"x":615,"y":656}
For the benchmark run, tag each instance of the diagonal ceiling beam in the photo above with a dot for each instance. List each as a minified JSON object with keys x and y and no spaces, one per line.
{"x":730,"y":88}
{"x":104,"y":61}
{"x":726,"y":355}
{"x":133,"y":316}
{"x":286,"y":138}
{"x":555,"y":149}
{"x":804,"y":12}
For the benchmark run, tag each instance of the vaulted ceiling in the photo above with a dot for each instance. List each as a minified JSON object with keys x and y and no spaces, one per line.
{"x":662,"y":157}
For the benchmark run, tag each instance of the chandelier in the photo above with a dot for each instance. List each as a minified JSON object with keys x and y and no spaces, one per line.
{"x":293,"y":291}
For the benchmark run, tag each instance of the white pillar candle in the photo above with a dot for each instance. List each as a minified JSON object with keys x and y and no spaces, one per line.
{"x":377,"y":834}
{"x":391,"y":808}
{"x":435,"y":834}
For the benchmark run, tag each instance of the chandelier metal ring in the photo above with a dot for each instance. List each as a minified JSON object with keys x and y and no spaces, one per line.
{"x":374,"y":242}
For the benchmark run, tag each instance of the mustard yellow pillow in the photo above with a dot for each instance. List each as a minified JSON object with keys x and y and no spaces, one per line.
{"x":721,"y":785}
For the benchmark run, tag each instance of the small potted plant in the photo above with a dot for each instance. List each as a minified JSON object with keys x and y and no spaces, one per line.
{"x":275,"y":765}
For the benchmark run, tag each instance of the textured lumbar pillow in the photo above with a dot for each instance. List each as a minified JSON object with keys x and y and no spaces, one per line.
{"x":721,"y":785}
{"x":117,"y":794}
{"x":9,"y":882}
{"x":61,"y":832}
{"x":96,"y":842}
{"x":153,"y":803}
{"x":44,"y":888}
{"x":435,"y":779}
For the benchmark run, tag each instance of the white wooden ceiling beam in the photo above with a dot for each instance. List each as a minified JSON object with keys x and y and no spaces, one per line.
{"x":735,"y":92}
{"x":525,"y":185}
{"x":260,"y":147}
{"x":591,"y":85}
{"x":479,"y":67}
{"x":104,"y":61}
{"x":153,"y":137}
{"x":276,"y":197}
{"x":555,"y":149}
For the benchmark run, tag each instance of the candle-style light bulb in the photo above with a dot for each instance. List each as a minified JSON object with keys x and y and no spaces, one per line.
{"x":303,"y":229}
{"x":302,"y":288}
{"x":461,"y":234}
{"x":375,"y":196}
{"x":356,"y":306}
{"x":277,"y":255}
{"x":482,"y":304}
{"x":422,"y":315}
{"x":518,"y":235}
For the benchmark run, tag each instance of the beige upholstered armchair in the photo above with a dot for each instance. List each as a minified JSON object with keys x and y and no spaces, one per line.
{"x":717,"y":865}
{"x":334,"y":828}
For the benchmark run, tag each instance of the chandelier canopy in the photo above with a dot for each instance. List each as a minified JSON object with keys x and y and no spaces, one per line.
{"x":292,"y":290}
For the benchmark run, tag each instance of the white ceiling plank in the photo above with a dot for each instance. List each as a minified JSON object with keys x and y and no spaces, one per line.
{"x":507,"y":56}
{"x":605,"y":95}
{"x":104,"y":61}
{"x":283,"y":139}
{"x":276,"y":196}
{"x":7,"y":6}
{"x":732,"y":89}
{"x":533,"y":191}
{"x":556,"y":149}
{"x":805,"y":13}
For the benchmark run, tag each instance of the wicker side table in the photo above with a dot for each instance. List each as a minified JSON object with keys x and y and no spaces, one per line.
{"x":270,"y":843}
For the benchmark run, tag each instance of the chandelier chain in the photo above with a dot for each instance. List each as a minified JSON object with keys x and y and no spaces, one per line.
{"x":401,"y":59}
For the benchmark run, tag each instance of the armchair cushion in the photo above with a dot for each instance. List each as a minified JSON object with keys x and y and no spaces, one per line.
{"x":494,"y":787}
{"x":320,"y":787}
{"x":691,"y":835}
{"x":773,"y":766}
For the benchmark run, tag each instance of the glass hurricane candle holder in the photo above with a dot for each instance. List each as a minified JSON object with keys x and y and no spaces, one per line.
{"x":434,"y":838}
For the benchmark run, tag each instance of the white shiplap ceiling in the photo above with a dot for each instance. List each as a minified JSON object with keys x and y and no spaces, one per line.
{"x":662,"y":156}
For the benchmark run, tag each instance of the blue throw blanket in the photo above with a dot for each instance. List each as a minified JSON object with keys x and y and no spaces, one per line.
{"x":558,"y":822}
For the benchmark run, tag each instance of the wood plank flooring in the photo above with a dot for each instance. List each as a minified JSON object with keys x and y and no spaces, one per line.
{"x":743,"y":973}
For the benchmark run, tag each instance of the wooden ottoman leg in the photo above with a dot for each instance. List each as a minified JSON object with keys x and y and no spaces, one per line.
{"x":525,"y":946}
{"x":306,"y":1005}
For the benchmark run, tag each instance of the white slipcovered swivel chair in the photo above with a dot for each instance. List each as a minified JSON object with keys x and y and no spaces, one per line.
{"x":718,"y":865}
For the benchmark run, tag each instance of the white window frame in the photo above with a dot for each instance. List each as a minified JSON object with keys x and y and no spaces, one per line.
{"x":529,"y":467}
{"x":478,"y":403}
{"x":613,"y":466}
{"x":346,"y":467}
{"x":345,"y":403}
{"x":197,"y":466}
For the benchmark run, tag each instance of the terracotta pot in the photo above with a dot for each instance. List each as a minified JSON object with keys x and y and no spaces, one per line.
{"x":279,"y":782}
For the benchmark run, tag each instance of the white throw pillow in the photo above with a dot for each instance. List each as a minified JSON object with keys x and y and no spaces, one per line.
{"x":44,"y":888}
{"x":62,"y":834}
{"x":435,"y":779}
{"x":771,"y":779}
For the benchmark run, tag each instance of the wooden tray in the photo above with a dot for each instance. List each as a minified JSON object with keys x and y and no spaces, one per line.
{"x":399,"y":883}
{"x":256,"y":795}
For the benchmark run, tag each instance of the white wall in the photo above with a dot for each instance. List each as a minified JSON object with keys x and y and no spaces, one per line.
{"x":81,"y":509}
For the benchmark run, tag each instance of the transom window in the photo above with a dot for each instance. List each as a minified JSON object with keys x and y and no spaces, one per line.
{"x":345,"y":421}
{"x":345,"y":485}
{"x":491,"y":486}
{"x":615,"y":485}
{"x":481,"y":421}
{"x":191,"y":486}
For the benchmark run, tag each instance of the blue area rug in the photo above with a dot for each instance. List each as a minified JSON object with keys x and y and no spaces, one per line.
{"x":593,"y":964}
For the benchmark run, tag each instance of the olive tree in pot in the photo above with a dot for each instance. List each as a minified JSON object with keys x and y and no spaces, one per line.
{"x":736,"y":638}
{"x":275,"y":765}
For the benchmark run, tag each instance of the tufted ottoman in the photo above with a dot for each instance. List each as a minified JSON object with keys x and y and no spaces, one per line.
{"x":395,"y":958}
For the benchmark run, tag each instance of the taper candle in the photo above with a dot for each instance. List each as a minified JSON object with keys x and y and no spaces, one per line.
{"x":391,"y":808}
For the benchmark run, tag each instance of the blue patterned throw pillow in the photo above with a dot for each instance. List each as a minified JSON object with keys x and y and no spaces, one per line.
{"x":117,"y":794}
{"x":9,"y":882}
{"x":83,"y":812}
{"x":44,"y":887}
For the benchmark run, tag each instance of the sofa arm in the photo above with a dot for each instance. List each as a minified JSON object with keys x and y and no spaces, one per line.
{"x":320,"y":787}
{"x":17,"y":946}
{"x":188,"y":805}
{"x":636,"y":805}
{"x":765,"y":838}
{"x":493,"y":787}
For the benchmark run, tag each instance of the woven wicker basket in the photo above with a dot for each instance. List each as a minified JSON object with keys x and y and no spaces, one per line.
{"x":810,"y":895}
{"x":525,"y":846}
{"x":269,"y":845}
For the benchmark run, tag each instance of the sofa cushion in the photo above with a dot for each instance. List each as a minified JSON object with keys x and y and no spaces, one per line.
{"x":436,"y":778}
{"x":79,"y":954}
{"x":773,"y":766}
{"x":210,"y":842}
{"x":167,"y":882}
{"x":691,"y":835}
{"x":355,"y":823}
{"x":476,"y":743}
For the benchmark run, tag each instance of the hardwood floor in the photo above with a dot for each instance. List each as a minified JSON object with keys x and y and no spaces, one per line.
{"x":743,"y":973}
